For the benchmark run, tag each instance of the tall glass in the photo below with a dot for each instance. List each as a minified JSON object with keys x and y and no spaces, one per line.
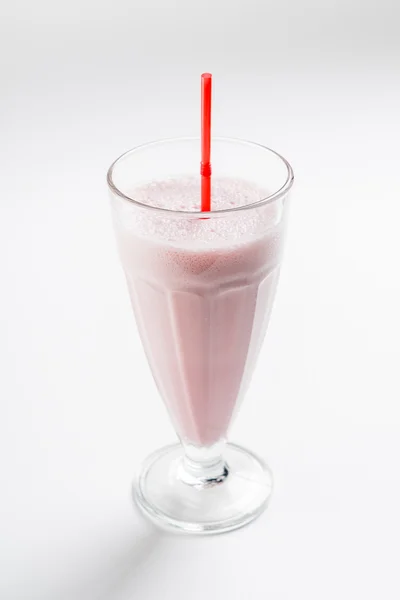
{"x":202,"y":287}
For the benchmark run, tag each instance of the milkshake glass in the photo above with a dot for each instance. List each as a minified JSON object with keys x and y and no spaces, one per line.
{"x":202,"y":287}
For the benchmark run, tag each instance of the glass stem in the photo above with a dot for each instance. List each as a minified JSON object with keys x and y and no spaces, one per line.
{"x":204,"y":466}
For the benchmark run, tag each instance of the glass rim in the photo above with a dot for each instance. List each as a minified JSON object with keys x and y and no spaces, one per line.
{"x":282,"y":191}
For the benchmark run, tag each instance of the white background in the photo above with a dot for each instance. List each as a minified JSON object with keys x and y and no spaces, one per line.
{"x":80,"y":83}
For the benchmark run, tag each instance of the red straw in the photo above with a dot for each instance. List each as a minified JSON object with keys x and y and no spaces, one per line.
{"x":205,"y":166}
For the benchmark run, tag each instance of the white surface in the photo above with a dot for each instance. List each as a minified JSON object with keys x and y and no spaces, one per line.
{"x":81,"y":83}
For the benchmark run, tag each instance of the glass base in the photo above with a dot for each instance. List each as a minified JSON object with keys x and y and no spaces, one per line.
{"x":231,"y":501}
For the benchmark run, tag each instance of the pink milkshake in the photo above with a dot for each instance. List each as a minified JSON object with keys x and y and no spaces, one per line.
{"x":202,"y":290}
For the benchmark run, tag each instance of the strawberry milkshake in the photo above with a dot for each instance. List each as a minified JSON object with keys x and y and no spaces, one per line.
{"x":202,"y":291}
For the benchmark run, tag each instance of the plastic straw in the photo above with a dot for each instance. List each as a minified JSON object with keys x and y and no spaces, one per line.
{"x":205,"y":167}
